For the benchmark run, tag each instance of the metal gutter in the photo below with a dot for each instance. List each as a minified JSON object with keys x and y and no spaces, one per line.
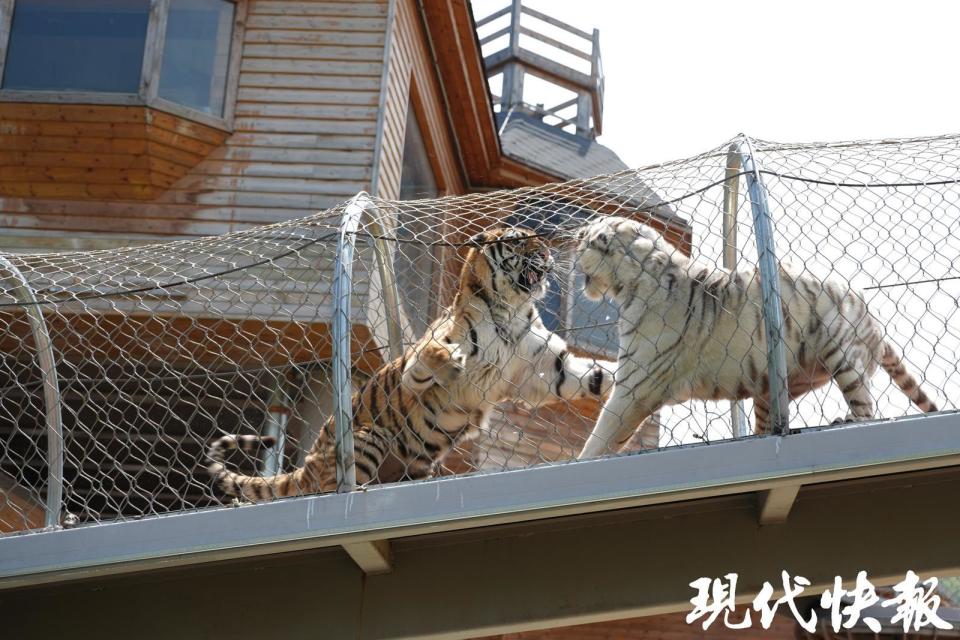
{"x":464,"y":502}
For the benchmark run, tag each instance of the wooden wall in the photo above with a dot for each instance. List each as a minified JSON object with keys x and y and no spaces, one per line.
{"x":412,"y":78}
{"x":303,"y":140}
{"x":93,"y":152}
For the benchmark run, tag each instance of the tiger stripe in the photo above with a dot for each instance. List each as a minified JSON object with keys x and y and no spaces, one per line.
{"x":692,"y":331}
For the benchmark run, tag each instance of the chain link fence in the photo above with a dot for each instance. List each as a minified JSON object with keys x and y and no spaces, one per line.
{"x":127,"y":373}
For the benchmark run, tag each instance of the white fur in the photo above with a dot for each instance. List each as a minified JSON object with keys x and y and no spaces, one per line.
{"x":693,"y":331}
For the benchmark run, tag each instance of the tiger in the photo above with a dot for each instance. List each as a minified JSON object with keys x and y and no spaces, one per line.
{"x":689,"y":330}
{"x":489,"y":346}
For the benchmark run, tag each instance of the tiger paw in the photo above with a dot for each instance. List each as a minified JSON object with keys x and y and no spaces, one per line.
{"x":451,"y":365}
{"x":435,"y":363}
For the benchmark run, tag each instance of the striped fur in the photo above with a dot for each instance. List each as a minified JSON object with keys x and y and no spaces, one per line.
{"x":489,"y":346}
{"x":693,"y":331}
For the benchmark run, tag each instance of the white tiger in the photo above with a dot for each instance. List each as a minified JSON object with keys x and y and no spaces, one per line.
{"x":693,"y":331}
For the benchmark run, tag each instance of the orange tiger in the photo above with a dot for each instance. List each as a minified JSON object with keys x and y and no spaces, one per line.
{"x":489,"y":346}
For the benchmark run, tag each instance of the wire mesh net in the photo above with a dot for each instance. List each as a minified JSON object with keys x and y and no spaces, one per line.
{"x":167,"y":354}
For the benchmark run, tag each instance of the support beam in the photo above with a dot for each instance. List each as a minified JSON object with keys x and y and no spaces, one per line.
{"x":373,"y":557}
{"x":775,"y":503}
{"x":584,"y":111}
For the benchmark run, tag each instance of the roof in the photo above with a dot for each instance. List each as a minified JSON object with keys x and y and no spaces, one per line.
{"x":529,"y":140}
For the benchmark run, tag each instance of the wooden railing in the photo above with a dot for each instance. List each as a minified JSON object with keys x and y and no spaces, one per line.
{"x":515,"y":60}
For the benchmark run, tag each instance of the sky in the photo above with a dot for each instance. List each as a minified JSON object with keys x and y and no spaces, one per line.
{"x":683,"y":76}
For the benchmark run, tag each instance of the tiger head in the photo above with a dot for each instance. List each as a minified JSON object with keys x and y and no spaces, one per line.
{"x":511,"y":262}
{"x":612,"y":251}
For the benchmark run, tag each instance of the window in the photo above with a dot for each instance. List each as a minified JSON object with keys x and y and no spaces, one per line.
{"x":70,"y":45}
{"x":416,"y":177}
{"x":113,"y":48}
{"x":417,"y":261}
{"x":196,"y":52}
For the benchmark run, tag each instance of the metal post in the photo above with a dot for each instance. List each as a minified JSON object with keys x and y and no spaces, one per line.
{"x":596,"y":73}
{"x":275,"y":425}
{"x":512,"y":92}
{"x":584,"y":111}
{"x":388,"y":280}
{"x":22,"y":292}
{"x":770,"y":287}
{"x":359,"y":207}
{"x":342,"y":385}
{"x":731,"y":191}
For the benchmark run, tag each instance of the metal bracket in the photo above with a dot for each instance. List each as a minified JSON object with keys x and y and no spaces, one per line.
{"x":775,"y":504}
{"x":770,"y":287}
{"x":23,"y":294}
{"x":372,"y":556}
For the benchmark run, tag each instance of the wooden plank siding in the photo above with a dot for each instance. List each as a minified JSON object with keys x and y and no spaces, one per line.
{"x":96,"y":152}
{"x":303,"y":139}
{"x":412,"y":80}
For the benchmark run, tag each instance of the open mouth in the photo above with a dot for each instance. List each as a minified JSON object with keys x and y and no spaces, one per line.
{"x":534,"y":272}
{"x":534,"y":275}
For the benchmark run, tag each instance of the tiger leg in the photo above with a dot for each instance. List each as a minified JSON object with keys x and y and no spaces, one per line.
{"x":761,"y":412}
{"x":369,"y":450}
{"x":418,"y":469}
{"x":648,"y":435}
{"x":856,"y":393}
{"x":619,"y":419}
{"x":849,"y":372}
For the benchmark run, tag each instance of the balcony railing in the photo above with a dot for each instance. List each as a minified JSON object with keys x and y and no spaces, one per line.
{"x":544,"y":59}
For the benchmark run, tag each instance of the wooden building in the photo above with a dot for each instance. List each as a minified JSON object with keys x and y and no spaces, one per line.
{"x":124,"y":123}
{"x":301,"y":105}
{"x":128,"y":122}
